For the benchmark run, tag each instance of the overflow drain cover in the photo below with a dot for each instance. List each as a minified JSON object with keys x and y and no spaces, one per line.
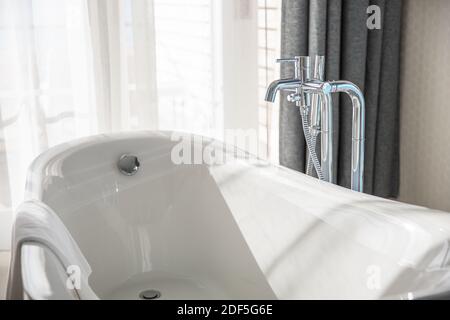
{"x":150,"y":294}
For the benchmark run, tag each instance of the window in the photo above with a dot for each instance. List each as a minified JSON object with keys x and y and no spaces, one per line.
{"x":269,"y":24}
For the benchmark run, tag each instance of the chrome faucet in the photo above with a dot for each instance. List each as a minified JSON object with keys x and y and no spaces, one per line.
{"x":313,"y":95}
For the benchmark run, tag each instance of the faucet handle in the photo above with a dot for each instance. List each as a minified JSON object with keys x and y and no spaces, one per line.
{"x":295,"y":59}
{"x":301,"y":66}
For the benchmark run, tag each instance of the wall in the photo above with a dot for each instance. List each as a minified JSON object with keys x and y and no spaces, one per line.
{"x":425,"y":104}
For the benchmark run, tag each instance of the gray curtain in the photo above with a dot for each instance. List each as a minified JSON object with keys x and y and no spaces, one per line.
{"x":370,"y":59}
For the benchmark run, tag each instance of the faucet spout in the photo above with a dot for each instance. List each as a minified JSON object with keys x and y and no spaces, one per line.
{"x":281,"y":84}
{"x":358,"y":115}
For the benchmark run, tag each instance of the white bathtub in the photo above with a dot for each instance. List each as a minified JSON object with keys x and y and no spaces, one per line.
{"x":242,"y":230}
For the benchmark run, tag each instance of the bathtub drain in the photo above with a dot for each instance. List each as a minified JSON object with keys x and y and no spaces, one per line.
{"x":150,"y":294}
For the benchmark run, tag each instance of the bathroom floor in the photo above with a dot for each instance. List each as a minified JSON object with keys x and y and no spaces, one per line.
{"x":4,"y":264}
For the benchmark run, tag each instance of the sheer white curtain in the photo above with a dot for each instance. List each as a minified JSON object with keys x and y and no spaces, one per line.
{"x":69,"y":68}
{"x":73,"y":68}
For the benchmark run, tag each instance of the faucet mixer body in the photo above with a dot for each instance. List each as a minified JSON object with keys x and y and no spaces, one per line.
{"x":313,"y":95}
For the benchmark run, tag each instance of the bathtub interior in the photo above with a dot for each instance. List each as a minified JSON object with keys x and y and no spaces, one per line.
{"x":167,"y":228}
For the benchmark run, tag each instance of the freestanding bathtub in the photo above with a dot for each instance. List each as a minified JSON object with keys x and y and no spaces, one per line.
{"x":242,"y":229}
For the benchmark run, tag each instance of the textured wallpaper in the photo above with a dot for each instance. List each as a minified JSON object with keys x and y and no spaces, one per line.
{"x":425,"y":104}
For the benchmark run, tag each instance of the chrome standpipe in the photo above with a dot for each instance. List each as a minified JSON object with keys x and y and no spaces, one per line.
{"x":358,"y":130}
{"x":314,"y":94}
{"x":303,"y":102}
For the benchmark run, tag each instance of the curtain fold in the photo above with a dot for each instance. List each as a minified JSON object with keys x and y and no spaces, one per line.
{"x":124,"y":61}
{"x":294,"y":42}
{"x":370,"y":59}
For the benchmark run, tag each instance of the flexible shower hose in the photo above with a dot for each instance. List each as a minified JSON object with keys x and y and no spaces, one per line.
{"x":310,"y":143}
{"x":309,"y":163}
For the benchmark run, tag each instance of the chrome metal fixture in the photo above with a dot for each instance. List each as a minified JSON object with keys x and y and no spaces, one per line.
{"x":150,"y":294}
{"x":313,"y":96}
{"x":128,"y":164}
